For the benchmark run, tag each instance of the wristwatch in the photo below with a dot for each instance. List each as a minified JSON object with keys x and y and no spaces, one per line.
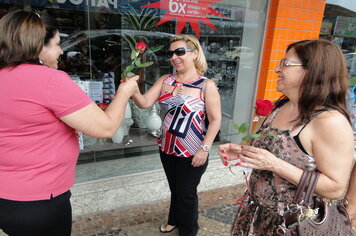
{"x":205,"y":148}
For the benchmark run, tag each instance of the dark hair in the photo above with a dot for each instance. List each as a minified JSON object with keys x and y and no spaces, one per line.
{"x":22,"y":38}
{"x":325,"y":84}
{"x":51,"y":26}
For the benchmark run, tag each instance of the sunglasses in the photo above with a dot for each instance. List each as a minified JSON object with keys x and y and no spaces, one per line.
{"x":285,"y":62}
{"x":179,"y":52}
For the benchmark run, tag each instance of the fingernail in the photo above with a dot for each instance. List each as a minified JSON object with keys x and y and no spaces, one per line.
{"x":226,"y":163}
{"x":238,"y":155}
{"x":241,"y":147}
{"x":222,"y":150}
{"x":237,"y":164}
{"x":225,"y":157}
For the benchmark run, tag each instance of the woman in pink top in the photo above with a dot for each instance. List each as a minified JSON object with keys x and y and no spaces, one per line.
{"x":41,"y":108}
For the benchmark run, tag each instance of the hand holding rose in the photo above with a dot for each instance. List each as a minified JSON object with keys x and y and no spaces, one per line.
{"x":230,"y":152}
{"x":246,"y":156}
{"x":140,"y":49}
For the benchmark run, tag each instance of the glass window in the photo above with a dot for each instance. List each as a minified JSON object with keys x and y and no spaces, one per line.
{"x":97,"y":37}
{"x":339,"y":26}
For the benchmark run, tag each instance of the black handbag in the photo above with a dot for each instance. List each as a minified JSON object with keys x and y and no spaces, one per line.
{"x":311,"y":215}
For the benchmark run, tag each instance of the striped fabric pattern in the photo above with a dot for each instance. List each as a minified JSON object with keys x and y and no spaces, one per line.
{"x":183,"y":128}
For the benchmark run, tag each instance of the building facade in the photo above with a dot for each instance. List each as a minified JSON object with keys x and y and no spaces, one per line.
{"x":243,"y":40}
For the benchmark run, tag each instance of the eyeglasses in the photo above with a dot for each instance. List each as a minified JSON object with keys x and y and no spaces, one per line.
{"x":179,"y":52}
{"x":285,"y":62}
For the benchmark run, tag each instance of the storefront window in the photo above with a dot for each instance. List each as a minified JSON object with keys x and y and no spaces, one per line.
{"x":339,"y":26}
{"x":96,"y":37}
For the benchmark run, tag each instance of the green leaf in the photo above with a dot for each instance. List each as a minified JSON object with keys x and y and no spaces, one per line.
{"x":133,"y":21}
{"x":132,"y":18}
{"x":253,"y":136}
{"x":133,"y":54}
{"x":144,"y":11}
{"x":243,"y":128}
{"x":130,"y":40}
{"x":130,"y":74}
{"x":352,"y":81}
{"x":131,"y":11}
{"x":150,"y":23}
{"x":123,"y":75}
{"x":156,"y":48}
{"x":138,"y":62}
{"x":148,"y":63}
{"x":129,"y":68}
{"x":148,"y":18}
{"x":143,"y":17}
{"x":246,"y":138}
{"x":235,"y":126}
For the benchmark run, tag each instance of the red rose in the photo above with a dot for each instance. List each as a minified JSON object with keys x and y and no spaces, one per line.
{"x":140,"y":47}
{"x":263,"y":107}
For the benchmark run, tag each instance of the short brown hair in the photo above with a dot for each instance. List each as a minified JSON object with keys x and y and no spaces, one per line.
{"x":22,"y":38}
{"x":193,"y":42}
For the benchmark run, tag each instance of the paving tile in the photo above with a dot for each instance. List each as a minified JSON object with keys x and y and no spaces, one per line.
{"x":216,"y":212}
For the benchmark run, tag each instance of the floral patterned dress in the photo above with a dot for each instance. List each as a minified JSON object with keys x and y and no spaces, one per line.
{"x":269,"y":193}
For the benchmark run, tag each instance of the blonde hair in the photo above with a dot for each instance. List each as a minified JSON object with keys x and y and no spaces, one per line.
{"x":193,"y":42}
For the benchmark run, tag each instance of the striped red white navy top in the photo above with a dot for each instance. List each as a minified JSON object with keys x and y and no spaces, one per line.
{"x":184,"y":117}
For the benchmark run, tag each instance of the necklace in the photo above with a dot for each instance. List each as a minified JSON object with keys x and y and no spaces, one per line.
{"x":184,"y":81}
{"x":180,"y":89}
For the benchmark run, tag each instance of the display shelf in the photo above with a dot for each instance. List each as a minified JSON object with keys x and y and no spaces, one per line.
{"x":141,"y":141}
{"x":222,"y":66}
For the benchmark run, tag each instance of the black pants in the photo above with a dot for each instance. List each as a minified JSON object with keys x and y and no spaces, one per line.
{"x":52,"y":217}
{"x":183,"y":181}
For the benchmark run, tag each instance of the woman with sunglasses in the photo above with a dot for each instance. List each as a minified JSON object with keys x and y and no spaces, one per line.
{"x":189,"y":101}
{"x":312,"y":131}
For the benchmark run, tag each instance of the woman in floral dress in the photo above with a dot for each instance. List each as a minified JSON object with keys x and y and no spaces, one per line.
{"x":311,"y":128}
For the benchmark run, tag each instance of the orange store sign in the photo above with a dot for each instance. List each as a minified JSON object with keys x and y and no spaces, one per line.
{"x":187,"y":11}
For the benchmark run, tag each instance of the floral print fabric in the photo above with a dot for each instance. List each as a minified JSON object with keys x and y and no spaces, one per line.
{"x":270,"y":193}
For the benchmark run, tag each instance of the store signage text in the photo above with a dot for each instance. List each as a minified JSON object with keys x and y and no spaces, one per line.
{"x":92,"y":3}
{"x":187,"y":11}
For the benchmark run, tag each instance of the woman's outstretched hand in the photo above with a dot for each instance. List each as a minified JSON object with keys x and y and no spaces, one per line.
{"x":257,"y":158}
{"x":229,"y":152}
{"x":246,"y":156}
{"x":129,"y":86}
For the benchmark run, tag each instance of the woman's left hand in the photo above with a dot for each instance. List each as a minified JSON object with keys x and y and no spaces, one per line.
{"x":257,"y":158}
{"x":199,"y":158}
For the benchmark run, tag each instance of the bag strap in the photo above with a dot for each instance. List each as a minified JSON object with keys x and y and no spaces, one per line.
{"x":307,"y":185}
{"x":311,"y":188}
{"x":301,"y":187}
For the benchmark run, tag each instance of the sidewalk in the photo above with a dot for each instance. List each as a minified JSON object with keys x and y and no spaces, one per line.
{"x":217,"y":210}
